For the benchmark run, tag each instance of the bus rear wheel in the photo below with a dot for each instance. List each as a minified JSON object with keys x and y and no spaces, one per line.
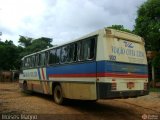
{"x":57,"y":94}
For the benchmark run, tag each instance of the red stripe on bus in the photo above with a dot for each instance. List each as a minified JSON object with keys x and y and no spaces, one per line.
{"x":131,"y":75}
{"x":72,"y":75}
{"x":100,"y":75}
{"x":43,"y":74}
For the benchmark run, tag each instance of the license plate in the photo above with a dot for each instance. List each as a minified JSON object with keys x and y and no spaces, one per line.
{"x":130,"y":85}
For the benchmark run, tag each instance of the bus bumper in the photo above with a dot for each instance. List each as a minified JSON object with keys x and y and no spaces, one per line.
{"x":104,"y":92}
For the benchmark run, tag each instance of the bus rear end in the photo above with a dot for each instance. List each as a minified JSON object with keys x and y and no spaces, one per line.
{"x":122,"y":70}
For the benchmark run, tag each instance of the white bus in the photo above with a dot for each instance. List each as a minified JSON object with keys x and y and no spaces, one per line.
{"x":105,"y":64}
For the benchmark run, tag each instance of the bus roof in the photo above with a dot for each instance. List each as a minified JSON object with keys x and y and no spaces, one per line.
{"x":109,"y":31}
{"x":124,"y":35}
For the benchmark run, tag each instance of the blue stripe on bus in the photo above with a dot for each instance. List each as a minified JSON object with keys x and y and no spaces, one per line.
{"x":119,"y":67}
{"x":89,"y":67}
{"x":102,"y":67}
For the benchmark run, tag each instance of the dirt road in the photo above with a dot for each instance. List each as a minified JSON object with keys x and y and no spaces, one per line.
{"x":37,"y":106}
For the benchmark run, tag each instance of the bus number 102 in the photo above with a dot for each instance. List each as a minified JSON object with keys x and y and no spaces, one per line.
{"x":112,"y":57}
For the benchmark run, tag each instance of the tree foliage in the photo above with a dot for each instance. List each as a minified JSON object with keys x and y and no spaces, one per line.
{"x":148,"y":24}
{"x":40,"y":44}
{"x":25,"y":41}
{"x":120,"y":27}
{"x":156,"y":61}
{"x":33,"y":45}
{"x":9,"y":54}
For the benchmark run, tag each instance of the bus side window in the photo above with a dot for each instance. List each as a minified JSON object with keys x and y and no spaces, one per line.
{"x":37,"y":60}
{"x":75,"y":52}
{"x":33,"y":61}
{"x":22,"y":64}
{"x":91,"y":52}
{"x":85,"y":48}
{"x":72,"y":55}
{"x":52,"y":56}
{"x":28,"y":63}
{"x":46,"y":58}
{"x":79,"y":51}
{"x":58,"y":55}
{"x":25,"y":62}
{"x":88,"y":47}
{"x":69,"y":52}
{"x":42,"y":59}
{"x":64,"y":53}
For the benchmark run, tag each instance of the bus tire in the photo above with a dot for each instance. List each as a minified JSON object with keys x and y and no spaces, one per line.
{"x":57,"y":94}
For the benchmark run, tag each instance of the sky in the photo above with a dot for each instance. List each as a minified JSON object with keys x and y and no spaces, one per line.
{"x":63,"y":20}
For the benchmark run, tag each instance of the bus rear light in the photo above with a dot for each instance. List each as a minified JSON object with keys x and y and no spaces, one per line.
{"x":114,"y":86}
{"x":145,"y":86}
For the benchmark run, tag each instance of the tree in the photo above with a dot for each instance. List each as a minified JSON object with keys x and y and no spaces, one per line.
{"x":39,"y":44}
{"x":120,"y":27}
{"x":148,"y":24}
{"x":33,"y":45}
{"x":9,"y":55}
{"x":156,"y":61}
{"x":25,"y":41}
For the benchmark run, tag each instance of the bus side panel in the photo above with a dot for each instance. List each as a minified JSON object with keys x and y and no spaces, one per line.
{"x":37,"y":80}
{"x":78,"y":81}
{"x":81,"y":91}
{"x":44,"y":87}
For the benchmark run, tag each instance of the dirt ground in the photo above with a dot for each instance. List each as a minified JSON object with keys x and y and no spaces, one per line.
{"x":19,"y":105}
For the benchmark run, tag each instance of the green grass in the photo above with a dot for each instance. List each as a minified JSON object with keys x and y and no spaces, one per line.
{"x":154,"y":89}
